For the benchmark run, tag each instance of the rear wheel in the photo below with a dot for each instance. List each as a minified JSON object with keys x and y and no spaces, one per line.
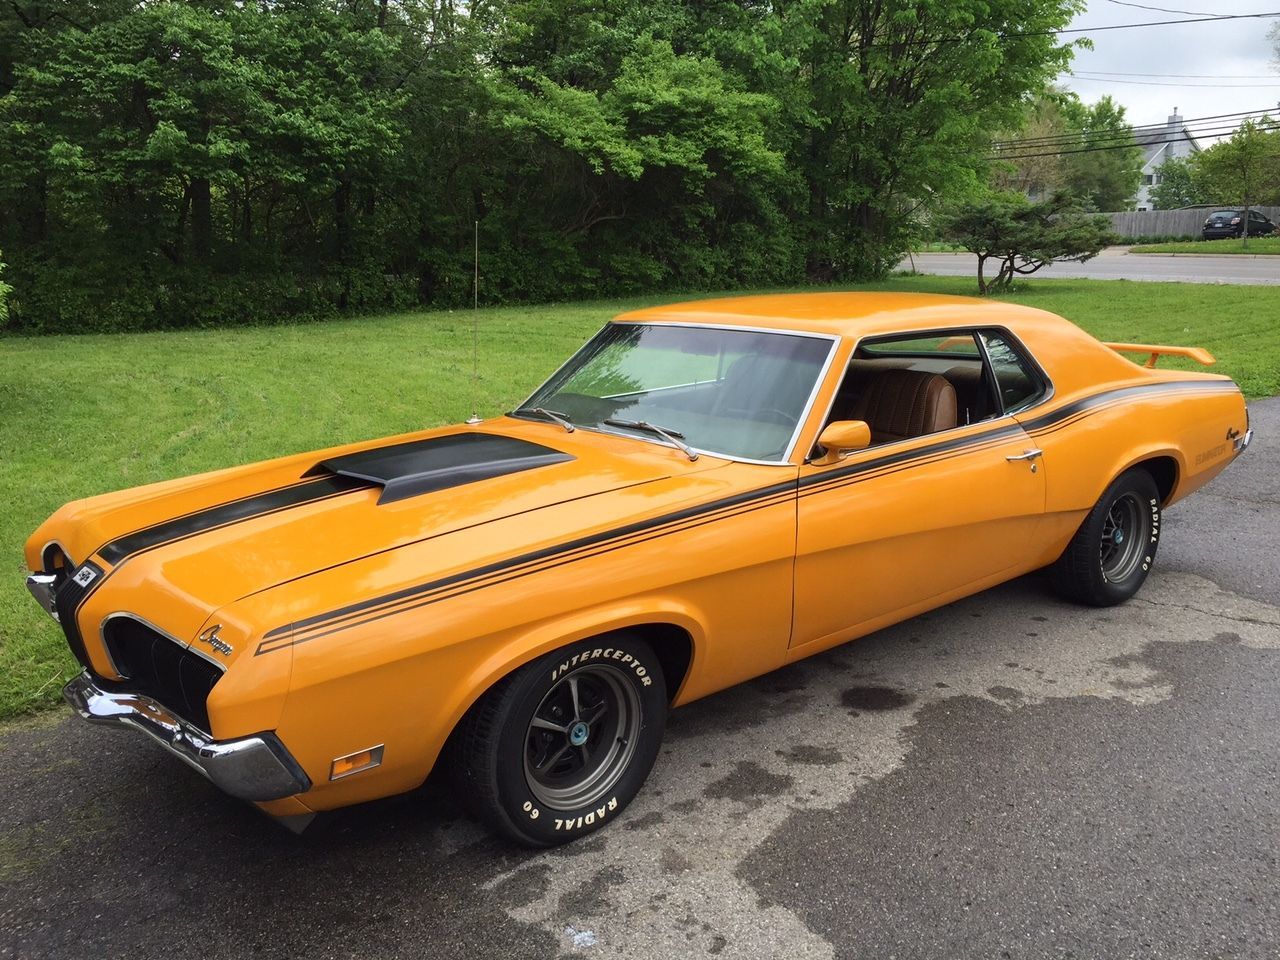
{"x":1110,"y":555}
{"x":560,"y":747}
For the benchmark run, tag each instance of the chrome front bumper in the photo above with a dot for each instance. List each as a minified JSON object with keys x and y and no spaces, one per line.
{"x":1241,"y":444}
{"x":41,"y":586}
{"x":251,"y":768}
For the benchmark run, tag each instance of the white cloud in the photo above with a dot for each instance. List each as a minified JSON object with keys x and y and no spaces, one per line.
{"x":1236,"y":47}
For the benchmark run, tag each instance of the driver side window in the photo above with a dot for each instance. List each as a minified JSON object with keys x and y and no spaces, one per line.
{"x":911,"y":386}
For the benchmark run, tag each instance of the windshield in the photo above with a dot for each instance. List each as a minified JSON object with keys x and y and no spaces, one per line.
{"x":740,"y":393}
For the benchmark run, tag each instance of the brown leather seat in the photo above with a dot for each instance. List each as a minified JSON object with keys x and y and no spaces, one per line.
{"x":898,"y":404}
{"x":972,"y":398}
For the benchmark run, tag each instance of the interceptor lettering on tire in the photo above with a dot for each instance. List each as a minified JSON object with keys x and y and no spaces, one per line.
{"x":608,"y":653}
{"x":562,"y":745}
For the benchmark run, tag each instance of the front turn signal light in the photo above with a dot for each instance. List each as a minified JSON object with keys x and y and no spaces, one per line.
{"x":354,"y":763}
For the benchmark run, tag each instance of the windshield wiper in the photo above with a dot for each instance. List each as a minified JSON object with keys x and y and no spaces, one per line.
{"x":671,"y":436}
{"x":552,"y":415}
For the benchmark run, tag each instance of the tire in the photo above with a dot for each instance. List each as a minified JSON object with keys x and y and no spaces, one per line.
{"x":1111,"y":554}
{"x":573,"y":772}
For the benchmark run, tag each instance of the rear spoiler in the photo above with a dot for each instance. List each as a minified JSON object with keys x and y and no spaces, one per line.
{"x":1198,"y":354}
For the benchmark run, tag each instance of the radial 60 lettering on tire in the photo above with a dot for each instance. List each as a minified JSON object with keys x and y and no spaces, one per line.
{"x":560,"y":747}
{"x":1111,"y":554}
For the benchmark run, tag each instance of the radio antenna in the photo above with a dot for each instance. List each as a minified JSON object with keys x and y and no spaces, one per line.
{"x":475,"y":326}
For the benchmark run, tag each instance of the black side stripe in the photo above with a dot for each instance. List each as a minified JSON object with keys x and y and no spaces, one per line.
{"x":503,"y":571}
{"x":915,"y":453}
{"x":454,"y":588}
{"x":410,"y":598}
{"x":458,"y":590}
{"x":1084,"y":404}
{"x":225,"y":514}
{"x":604,"y":536}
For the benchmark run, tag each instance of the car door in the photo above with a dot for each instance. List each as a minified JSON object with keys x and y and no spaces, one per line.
{"x":914,"y":522}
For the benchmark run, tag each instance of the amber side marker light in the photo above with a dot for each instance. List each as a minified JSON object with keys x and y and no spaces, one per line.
{"x":354,"y":763}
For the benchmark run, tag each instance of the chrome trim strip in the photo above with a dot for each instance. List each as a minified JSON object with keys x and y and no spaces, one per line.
{"x":257,"y":768}
{"x":102,"y":634}
{"x":71,"y":564}
{"x":41,"y":586}
{"x":800,"y":423}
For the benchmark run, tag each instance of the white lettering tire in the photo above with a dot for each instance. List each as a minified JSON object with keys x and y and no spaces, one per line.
{"x":559,"y":748}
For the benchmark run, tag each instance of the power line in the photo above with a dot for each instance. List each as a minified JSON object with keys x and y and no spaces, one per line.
{"x":1156,"y":127}
{"x":1091,"y":149}
{"x":1192,"y":76}
{"x":1191,"y":123}
{"x":1163,"y":83}
{"x":968,"y":38}
{"x":1112,"y":140}
{"x":1063,"y":153}
{"x":1143,"y":6}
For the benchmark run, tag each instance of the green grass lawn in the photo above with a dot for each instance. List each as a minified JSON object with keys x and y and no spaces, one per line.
{"x":88,"y":414}
{"x":1257,"y":245}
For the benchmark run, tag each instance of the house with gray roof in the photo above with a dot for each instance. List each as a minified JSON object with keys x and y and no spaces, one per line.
{"x":1159,"y":145}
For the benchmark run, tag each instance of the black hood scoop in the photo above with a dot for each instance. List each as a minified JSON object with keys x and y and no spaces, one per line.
{"x":425,"y":466}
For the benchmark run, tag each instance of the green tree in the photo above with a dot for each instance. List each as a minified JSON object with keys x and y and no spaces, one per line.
{"x":1035,"y":170}
{"x":1244,"y":168}
{"x":1181,"y":184}
{"x":900,"y":99}
{"x":186,"y":162}
{"x":1104,"y":166}
{"x":1023,"y":237}
{"x":5,"y":290}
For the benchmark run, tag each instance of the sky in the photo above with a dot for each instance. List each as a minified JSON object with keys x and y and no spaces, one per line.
{"x":1231,"y":47}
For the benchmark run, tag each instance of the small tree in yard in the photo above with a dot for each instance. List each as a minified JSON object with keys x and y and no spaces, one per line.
{"x":1022,"y":236}
{"x":5,"y":290}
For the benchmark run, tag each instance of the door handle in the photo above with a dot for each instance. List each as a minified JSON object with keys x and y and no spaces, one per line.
{"x":1031,"y":455}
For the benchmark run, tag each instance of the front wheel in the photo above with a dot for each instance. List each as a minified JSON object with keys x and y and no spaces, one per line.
{"x":560,"y":747}
{"x":1110,"y":555}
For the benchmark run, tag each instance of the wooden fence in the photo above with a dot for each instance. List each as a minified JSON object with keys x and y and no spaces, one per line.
{"x":1171,"y":223}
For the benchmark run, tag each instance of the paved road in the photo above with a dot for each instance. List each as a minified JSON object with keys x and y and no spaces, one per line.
{"x":1007,"y":777}
{"x":1116,"y":264}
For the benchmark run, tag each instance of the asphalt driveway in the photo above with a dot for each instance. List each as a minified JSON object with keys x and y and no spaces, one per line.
{"x":1116,"y":263}
{"x":1007,"y":777}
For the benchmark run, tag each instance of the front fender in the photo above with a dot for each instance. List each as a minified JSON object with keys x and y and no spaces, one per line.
{"x":414,"y":704}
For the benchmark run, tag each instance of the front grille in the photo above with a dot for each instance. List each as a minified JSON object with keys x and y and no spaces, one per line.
{"x":161,"y":669}
{"x":72,"y":591}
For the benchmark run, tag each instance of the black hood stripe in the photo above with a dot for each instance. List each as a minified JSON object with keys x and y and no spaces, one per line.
{"x":225,"y":514}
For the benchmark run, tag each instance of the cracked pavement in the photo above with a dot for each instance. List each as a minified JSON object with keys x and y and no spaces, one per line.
{"x":1009,"y":776}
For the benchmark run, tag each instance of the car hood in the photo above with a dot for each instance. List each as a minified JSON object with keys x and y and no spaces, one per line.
{"x":205,"y":542}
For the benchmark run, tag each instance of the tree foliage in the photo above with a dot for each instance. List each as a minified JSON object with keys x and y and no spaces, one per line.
{"x":1107,"y":177}
{"x":1022,"y":236}
{"x":1181,"y":184}
{"x":1086,"y":150}
{"x":187,"y":162}
{"x":1244,"y":168}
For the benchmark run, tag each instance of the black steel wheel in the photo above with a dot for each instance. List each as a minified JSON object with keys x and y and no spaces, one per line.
{"x":1110,"y":555}
{"x":582,"y":736}
{"x":560,"y":747}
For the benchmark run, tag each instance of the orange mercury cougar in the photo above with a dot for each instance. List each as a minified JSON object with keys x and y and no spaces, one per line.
{"x":701,"y":494}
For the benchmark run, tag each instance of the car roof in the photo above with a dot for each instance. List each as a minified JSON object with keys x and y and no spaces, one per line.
{"x":846,"y":314}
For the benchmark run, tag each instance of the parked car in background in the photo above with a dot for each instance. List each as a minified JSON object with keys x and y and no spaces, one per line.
{"x":705,"y":492}
{"x":1230,"y":223}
